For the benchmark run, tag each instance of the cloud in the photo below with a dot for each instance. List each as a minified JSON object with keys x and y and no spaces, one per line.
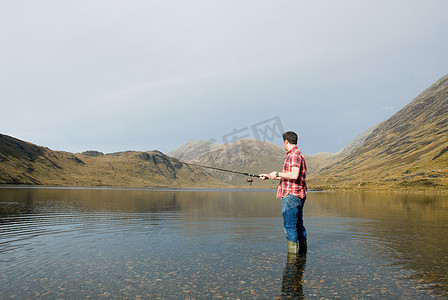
{"x":130,"y":74}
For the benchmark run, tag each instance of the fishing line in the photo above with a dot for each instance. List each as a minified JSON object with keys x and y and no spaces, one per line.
{"x":223,"y":170}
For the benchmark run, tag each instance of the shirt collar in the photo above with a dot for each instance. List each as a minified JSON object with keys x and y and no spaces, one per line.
{"x":293,"y":148}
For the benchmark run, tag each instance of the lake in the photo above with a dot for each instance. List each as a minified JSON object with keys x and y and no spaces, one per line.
{"x":76,"y":243}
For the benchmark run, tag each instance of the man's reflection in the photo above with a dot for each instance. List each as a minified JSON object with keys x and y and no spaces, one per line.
{"x":292,"y":276}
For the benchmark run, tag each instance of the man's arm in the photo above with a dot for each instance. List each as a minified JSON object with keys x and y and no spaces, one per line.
{"x":293,"y":175}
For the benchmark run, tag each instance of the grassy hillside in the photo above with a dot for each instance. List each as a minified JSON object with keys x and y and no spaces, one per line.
{"x":26,"y":163}
{"x":409,"y":150}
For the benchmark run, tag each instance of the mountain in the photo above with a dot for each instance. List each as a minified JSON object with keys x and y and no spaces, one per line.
{"x":25,"y":163}
{"x":244,"y":155}
{"x":193,"y":149}
{"x":409,"y":150}
{"x":320,"y":161}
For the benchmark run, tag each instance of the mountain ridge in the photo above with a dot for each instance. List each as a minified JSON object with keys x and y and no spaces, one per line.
{"x":407,"y":151}
{"x":320,"y":161}
{"x":244,"y":155}
{"x":26,"y":163}
{"x":410,"y":149}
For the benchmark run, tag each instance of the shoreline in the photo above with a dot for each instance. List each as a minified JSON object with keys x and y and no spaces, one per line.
{"x":315,"y":189}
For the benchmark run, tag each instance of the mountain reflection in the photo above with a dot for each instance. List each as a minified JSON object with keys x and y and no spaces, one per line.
{"x":219,"y":203}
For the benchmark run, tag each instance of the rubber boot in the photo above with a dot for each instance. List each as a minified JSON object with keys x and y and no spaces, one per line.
{"x":303,"y":247}
{"x":292,"y":247}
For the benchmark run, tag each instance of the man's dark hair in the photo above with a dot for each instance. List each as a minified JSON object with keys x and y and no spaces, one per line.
{"x":291,"y":136}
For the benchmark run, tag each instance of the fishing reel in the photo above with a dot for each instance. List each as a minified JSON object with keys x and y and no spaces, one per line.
{"x":250,"y":180}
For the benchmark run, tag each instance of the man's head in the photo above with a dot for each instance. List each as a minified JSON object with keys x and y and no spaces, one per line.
{"x":291,"y":137}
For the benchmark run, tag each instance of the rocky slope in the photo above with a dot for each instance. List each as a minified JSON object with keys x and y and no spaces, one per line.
{"x":25,"y":163}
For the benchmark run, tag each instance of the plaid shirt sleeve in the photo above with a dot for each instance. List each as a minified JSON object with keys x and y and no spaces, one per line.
{"x":298,"y":188}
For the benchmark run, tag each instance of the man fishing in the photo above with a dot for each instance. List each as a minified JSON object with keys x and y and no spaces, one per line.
{"x":292,"y":189}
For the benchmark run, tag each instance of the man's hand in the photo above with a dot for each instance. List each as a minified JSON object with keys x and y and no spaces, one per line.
{"x":264,"y":176}
{"x":272,"y":176}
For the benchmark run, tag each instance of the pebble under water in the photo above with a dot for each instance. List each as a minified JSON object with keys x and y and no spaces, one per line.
{"x":218,"y":244}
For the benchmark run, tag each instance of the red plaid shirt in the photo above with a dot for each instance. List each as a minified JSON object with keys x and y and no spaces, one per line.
{"x":294,"y":158}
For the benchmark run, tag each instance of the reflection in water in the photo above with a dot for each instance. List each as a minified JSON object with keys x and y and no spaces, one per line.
{"x":292,"y":284}
{"x":80,"y":243}
{"x":409,"y":228}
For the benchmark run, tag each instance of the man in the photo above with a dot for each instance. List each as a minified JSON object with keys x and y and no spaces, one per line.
{"x":292,"y":189}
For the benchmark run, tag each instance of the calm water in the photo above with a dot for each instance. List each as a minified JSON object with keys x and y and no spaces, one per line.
{"x":149,"y":244}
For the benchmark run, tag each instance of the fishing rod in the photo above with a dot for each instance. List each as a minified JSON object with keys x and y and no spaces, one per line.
{"x":224,"y":170}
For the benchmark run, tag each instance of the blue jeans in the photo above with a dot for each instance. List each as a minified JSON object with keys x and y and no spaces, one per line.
{"x":292,"y":211}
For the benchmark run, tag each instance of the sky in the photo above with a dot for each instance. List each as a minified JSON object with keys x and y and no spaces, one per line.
{"x":143,"y":75}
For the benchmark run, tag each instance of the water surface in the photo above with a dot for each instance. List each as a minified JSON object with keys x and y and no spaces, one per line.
{"x":111,"y":243}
